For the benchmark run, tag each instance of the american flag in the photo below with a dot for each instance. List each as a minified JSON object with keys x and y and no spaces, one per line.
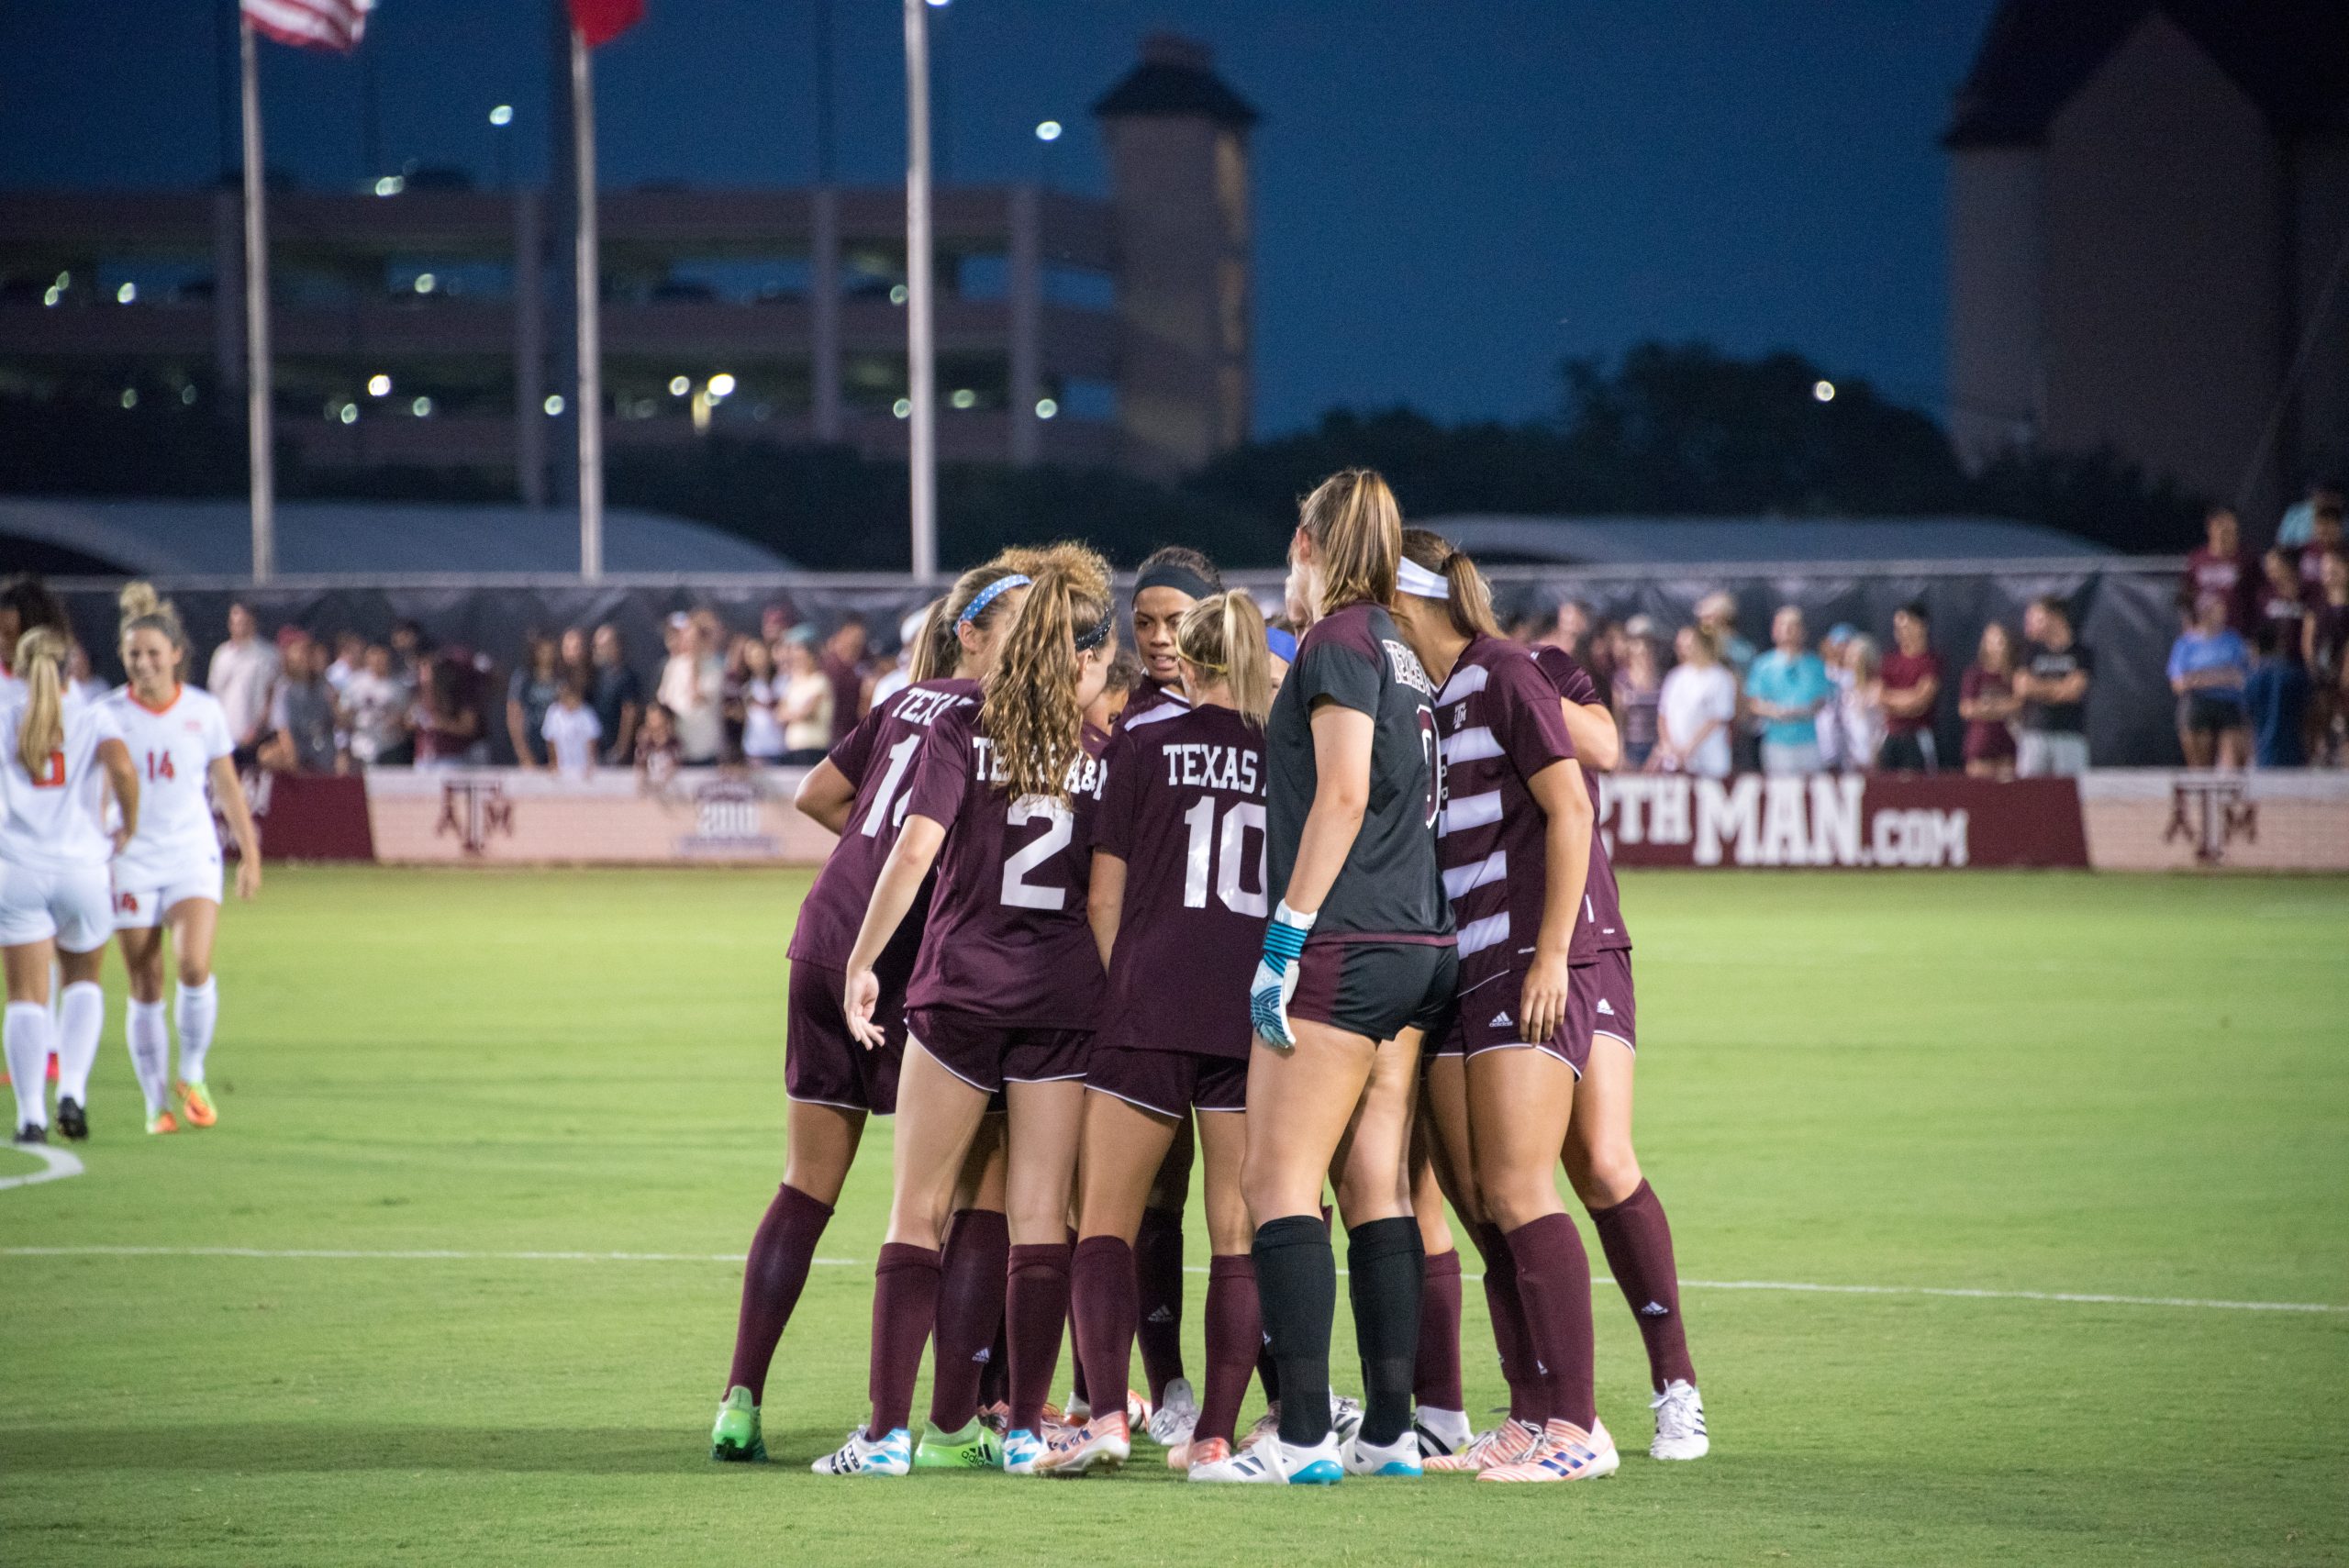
{"x":336,"y":25}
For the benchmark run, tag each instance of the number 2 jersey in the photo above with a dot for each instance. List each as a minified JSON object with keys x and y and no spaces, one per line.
{"x":172,"y":750}
{"x":1008,"y":941}
{"x":1185,"y":809}
{"x":53,"y":812}
{"x":877,"y":759}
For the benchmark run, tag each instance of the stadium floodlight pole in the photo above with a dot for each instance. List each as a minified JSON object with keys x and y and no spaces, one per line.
{"x":259,"y":441}
{"x":590,"y":390}
{"x":921,"y":347}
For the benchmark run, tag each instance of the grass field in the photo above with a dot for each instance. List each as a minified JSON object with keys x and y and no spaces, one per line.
{"x":2007,"y":1083}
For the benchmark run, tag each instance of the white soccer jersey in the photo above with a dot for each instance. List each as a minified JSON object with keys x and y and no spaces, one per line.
{"x":53,"y":818}
{"x":172,"y":750}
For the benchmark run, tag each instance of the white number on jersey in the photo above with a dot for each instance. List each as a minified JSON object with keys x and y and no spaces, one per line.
{"x":1229,"y":850}
{"x":1018,"y":891}
{"x":888,"y":806}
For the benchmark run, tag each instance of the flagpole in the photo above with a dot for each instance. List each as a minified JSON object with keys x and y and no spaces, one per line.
{"x":590,"y":412}
{"x":921,"y":362}
{"x":259,"y":447}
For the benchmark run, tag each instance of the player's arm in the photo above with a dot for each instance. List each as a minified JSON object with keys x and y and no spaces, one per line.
{"x":1565,"y":800}
{"x":1598,"y":741}
{"x":229,"y":793}
{"x":123,"y":779}
{"x":1341,"y":742}
{"x":909,"y":860}
{"x":1105,"y":901}
{"x":825,"y":796}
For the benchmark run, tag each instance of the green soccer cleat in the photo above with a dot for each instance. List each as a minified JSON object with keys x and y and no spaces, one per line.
{"x":972,"y":1448}
{"x":735,"y":1439}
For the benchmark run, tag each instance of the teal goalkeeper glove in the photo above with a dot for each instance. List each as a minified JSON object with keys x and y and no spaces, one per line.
{"x":1275,"y":982}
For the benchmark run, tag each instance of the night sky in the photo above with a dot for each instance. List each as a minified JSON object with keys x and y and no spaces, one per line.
{"x":1450,"y":197}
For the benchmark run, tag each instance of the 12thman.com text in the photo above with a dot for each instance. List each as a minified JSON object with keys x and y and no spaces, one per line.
{"x":1821,"y":820}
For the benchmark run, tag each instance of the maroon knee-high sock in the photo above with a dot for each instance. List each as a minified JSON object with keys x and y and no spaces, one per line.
{"x":1553,"y":1279}
{"x":781,"y":1251}
{"x":1079,"y":1392}
{"x":1158,"y":1279}
{"x":995,"y":1377}
{"x":905,"y":1303}
{"x":1435,"y":1378}
{"x":1528,"y":1390}
{"x":1102,"y":1304}
{"x":977,"y":1262}
{"x":1036,"y":1308}
{"x":1235,"y":1335}
{"x":1637,"y":1238}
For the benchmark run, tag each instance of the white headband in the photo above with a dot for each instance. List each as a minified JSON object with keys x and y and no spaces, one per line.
{"x":1418,"y":581}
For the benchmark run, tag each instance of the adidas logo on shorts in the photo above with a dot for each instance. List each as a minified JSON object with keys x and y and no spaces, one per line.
{"x":1605,"y":1008}
{"x":1501,"y":1021}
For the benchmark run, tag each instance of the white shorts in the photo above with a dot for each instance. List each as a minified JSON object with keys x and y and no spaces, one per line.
{"x":142,"y":900}
{"x":74,"y":907}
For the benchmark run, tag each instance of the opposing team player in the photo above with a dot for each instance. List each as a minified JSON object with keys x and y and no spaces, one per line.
{"x":1358,"y":962}
{"x":859,"y":792}
{"x":1002,"y":996}
{"x":170,"y":878}
{"x":60,"y":754}
{"x":1515,"y":841}
{"x":1178,"y":908}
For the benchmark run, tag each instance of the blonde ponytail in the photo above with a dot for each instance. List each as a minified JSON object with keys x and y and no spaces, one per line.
{"x":40,"y":664}
{"x":1357,"y":533}
{"x":942,"y":633}
{"x":1029,"y":710}
{"x":925,"y":648}
{"x":1469,"y":601}
{"x":142,"y":610}
{"x":1224,"y":636}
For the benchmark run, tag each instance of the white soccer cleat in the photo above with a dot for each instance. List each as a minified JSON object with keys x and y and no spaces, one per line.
{"x":1567,"y":1454}
{"x":1442,"y":1432}
{"x":1508,"y":1444}
{"x":1400,"y":1458}
{"x":1679,"y":1422}
{"x":1274,"y":1464}
{"x":1178,"y":1413}
{"x":1023,"y":1453}
{"x":861,"y":1455}
{"x":1345,"y":1417}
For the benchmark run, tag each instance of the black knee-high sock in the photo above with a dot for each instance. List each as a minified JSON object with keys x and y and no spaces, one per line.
{"x":1384,"y":1260}
{"x":1297,"y":1287}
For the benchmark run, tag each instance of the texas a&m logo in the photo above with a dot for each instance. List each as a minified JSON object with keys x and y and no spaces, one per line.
{"x":2210,"y":813}
{"x":473,"y":809}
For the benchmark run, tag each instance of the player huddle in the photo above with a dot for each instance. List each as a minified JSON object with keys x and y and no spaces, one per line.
{"x":153,"y":759}
{"x":1339,"y":901}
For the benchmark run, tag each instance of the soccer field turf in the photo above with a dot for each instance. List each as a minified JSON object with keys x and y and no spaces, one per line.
{"x":2003,"y":1083}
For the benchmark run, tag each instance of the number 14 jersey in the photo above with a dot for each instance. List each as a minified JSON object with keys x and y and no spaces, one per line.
{"x":172,"y":750}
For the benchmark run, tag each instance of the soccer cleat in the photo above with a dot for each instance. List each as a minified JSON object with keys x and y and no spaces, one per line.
{"x":161,"y":1123}
{"x":1400,"y":1458}
{"x":1441,"y":1432}
{"x":32,"y":1132}
{"x":1275,"y":1463}
{"x":1345,"y":1417}
{"x":1022,"y":1452}
{"x":1266,"y":1426}
{"x":1103,"y":1443}
{"x":995,"y":1417}
{"x":735,"y":1439}
{"x":1198,"y":1451}
{"x":1679,"y":1416}
{"x":195,"y":1103}
{"x":1137,"y":1409}
{"x":972,"y":1448}
{"x":1178,"y":1413}
{"x":1567,"y":1453}
{"x":1077,"y":1412}
{"x":72,"y":1120}
{"x":861,"y":1455}
{"x":1506,"y":1444}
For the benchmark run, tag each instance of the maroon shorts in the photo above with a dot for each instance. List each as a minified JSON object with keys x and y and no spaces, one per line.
{"x":987,"y":1055}
{"x":822,"y":1062}
{"x":1611,"y":1009}
{"x":1489,"y":1018}
{"x":1170,"y":1081}
{"x":1374,"y":988}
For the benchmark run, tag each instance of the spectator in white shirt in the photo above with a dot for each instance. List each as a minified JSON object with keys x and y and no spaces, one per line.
{"x":691,"y":683}
{"x":243,"y":675}
{"x":1695,"y":709}
{"x":375,"y":702}
{"x":572,"y":730}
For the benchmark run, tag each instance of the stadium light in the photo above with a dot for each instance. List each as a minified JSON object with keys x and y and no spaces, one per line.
{"x":1048,"y":130}
{"x":898,"y":294}
{"x":1824,"y":391}
{"x":721,"y":385}
{"x":501,"y":116}
{"x":902,"y":408}
{"x":679,"y":385}
{"x":421,"y":408}
{"x":379,"y":385}
{"x":963,"y":398}
{"x":130,"y":397}
{"x":426,"y":283}
{"x":553,"y":404}
{"x":390,"y":186}
{"x":1046,"y":408}
{"x":349,"y":415}
{"x":187,"y":396}
{"x":126,"y":293}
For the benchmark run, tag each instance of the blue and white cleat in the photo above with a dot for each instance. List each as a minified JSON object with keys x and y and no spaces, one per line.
{"x":1400,"y":1458}
{"x":1275,"y":1464}
{"x":890,"y":1455}
{"x":1022,"y":1451}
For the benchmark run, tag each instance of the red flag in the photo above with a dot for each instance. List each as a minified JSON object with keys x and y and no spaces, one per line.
{"x":601,"y":21}
{"x":336,"y":24}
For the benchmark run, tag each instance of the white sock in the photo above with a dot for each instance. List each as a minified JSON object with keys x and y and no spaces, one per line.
{"x":198,"y":1008}
{"x":27,"y":1035}
{"x":81,"y":1017}
{"x":148,"y":1032}
{"x":1452,"y":1425}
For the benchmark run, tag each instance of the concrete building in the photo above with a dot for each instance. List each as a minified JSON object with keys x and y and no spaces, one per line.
{"x":415,"y":328}
{"x":2149,"y":231}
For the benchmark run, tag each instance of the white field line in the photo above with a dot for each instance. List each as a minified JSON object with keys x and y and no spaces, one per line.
{"x":55,"y":1165}
{"x":449,"y":1255}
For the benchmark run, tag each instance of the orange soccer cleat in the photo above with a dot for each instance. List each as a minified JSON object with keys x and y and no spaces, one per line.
{"x":162,"y":1122}
{"x":195,"y":1103}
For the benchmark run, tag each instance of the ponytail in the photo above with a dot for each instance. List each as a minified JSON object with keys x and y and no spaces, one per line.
{"x":924,"y":646}
{"x":1466,"y":597}
{"x":143,"y":611}
{"x":1224,"y":636}
{"x":942,"y":633}
{"x":40,"y":664}
{"x":1029,"y":709}
{"x":1357,"y":534}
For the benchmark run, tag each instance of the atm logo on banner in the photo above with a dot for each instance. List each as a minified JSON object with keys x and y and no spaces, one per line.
{"x":1829,"y":820}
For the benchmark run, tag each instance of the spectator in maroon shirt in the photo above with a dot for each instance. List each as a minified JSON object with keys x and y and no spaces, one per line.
{"x":2282,"y":603}
{"x":2220,"y":568}
{"x":1912,"y":674}
{"x":2324,"y":538}
{"x":844,"y":667}
{"x":1986,"y":701}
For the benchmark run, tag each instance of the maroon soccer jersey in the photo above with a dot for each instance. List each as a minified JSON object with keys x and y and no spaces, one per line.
{"x":1007,"y":940}
{"x":1148,"y":697}
{"x":2229,"y":578}
{"x":1500,"y":724}
{"x":1905,"y":673}
{"x":1185,"y":809}
{"x":878,"y":759}
{"x":1602,"y":928}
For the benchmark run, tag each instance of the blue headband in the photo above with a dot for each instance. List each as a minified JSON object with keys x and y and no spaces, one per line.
{"x":988,"y":594}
